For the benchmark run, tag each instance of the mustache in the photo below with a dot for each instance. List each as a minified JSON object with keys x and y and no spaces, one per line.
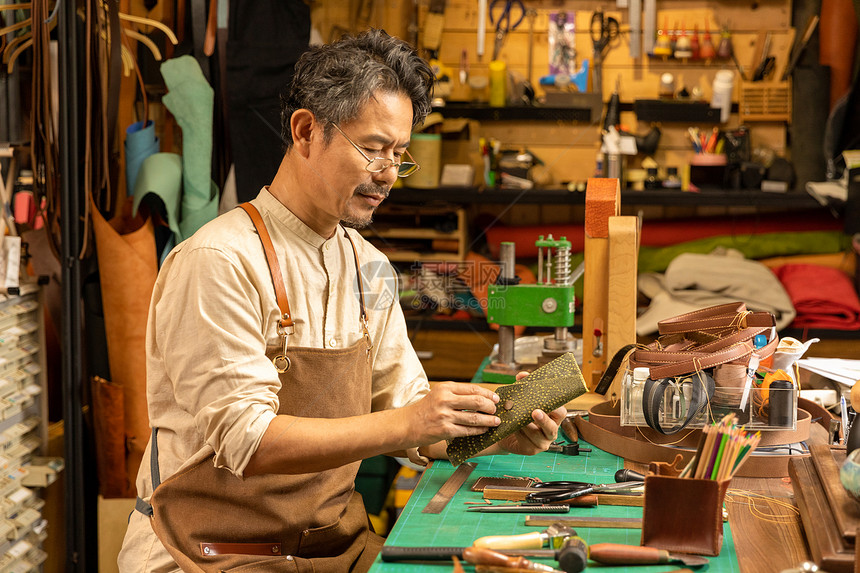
{"x":373,"y":189}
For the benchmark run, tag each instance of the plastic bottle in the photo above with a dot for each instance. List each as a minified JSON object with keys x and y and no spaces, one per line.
{"x":721,"y":98}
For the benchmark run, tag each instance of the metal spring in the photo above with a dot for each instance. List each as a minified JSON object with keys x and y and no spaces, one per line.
{"x":562,"y":266}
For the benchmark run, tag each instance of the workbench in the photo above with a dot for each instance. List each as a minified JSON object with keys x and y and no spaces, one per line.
{"x":767,"y":543}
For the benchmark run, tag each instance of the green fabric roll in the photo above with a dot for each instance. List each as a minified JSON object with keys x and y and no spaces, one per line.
{"x":550,"y":386}
{"x":657,"y":259}
{"x":191,"y":100}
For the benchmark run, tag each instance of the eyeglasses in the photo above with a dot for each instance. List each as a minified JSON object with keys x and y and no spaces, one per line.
{"x":377,"y":164}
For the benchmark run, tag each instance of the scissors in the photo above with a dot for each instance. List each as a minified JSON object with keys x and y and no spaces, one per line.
{"x":502,"y":20}
{"x":603,"y":31}
{"x":563,"y":490}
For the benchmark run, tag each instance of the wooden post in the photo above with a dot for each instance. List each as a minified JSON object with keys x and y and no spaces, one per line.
{"x":602,"y":201}
{"x":623,"y":256}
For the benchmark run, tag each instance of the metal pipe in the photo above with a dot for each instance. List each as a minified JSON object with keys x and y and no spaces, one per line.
{"x":507,"y":271}
{"x":78,"y":514}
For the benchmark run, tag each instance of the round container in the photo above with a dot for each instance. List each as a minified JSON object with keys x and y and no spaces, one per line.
{"x":426,"y":148}
{"x":667,"y":86}
{"x":498,"y":83}
{"x":721,"y":97}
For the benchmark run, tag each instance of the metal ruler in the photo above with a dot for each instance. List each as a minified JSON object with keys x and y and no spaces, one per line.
{"x":449,"y":488}
{"x":613,"y":522}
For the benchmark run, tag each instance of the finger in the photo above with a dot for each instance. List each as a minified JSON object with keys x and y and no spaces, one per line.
{"x":521,"y":375}
{"x":545,"y":423}
{"x":476,"y":420}
{"x":468,"y":389}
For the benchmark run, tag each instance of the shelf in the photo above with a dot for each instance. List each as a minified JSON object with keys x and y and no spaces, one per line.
{"x":707,"y":196}
{"x":514,"y":113}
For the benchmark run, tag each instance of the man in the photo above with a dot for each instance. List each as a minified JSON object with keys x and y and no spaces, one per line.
{"x":270,"y":379}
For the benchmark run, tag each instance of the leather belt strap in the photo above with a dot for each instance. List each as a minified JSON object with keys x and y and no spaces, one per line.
{"x":275,"y":268}
{"x":716,"y":318}
{"x":240,"y":549}
{"x":603,"y":429}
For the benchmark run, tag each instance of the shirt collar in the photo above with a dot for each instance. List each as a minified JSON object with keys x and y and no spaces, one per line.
{"x":290,"y":221}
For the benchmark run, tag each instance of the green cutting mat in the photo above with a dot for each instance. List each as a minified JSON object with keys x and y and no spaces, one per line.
{"x":457,"y":527}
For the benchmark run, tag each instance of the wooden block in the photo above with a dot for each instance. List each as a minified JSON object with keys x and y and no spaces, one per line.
{"x":827,"y":546}
{"x":845,"y":509}
{"x":602,"y":201}
{"x":623,"y":254}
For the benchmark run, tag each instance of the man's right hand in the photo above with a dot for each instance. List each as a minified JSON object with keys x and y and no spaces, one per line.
{"x":451,"y":410}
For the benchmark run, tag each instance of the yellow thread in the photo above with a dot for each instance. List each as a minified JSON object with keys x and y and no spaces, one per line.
{"x":771,"y":503}
{"x":681,"y":439}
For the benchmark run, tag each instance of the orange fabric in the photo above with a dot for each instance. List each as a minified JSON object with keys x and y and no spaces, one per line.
{"x":602,"y":200}
{"x":845,"y":262}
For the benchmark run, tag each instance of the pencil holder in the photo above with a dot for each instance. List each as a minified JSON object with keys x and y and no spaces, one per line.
{"x":682,"y":514}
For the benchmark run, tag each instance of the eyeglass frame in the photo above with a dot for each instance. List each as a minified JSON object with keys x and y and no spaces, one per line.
{"x":391,"y":162}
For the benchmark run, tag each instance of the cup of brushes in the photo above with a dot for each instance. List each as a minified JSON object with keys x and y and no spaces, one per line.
{"x":683,"y":508}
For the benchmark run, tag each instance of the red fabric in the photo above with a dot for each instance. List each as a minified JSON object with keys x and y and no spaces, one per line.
{"x":823,"y":297}
{"x":661,"y":233}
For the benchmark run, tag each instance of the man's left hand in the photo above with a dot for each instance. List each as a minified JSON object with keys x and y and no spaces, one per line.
{"x":537,"y":435}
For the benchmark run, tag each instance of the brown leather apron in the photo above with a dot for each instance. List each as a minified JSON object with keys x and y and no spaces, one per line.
{"x":210,"y":520}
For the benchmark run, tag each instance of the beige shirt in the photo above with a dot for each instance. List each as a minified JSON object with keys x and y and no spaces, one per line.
{"x":210,"y":387}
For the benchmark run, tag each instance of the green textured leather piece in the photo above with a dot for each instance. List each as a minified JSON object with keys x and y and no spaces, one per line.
{"x":550,"y":386}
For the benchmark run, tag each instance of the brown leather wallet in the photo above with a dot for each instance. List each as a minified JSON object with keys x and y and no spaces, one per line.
{"x":240,"y":548}
{"x":550,"y":386}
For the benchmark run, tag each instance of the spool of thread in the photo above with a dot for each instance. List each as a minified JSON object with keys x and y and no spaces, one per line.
{"x":498,"y":83}
{"x":426,"y":148}
{"x":780,"y":403}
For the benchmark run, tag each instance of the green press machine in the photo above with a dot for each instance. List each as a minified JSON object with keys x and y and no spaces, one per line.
{"x":548,"y":303}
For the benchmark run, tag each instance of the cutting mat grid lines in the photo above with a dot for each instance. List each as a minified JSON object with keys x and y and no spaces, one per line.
{"x":454,"y":526}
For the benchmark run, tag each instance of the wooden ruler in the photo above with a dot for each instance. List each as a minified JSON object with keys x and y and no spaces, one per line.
{"x":449,"y":488}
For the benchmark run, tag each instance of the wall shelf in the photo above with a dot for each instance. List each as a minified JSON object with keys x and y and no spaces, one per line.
{"x":484,"y":112}
{"x":707,"y":196}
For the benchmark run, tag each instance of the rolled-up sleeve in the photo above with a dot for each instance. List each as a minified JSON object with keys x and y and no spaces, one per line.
{"x":209,"y":331}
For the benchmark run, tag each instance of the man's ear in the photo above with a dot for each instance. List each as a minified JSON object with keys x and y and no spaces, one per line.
{"x":304,"y":128}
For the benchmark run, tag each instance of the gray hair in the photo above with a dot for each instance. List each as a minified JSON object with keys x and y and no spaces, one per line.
{"x":335,"y":81}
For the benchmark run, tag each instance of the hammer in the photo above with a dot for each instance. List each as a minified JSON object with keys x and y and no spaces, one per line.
{"x":553,"y":537}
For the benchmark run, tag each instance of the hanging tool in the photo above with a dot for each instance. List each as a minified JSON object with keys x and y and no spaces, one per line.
{"x":649,"y":26}
{"x":603,"y":30}
{"x":449,"y":488}
{"x":553,"y":537}
{"x":798,"y":48}
{"x":766,"y":62}
{"x":502,"y":20}
{"x":482,"y":28}
{"x":635,"y":19}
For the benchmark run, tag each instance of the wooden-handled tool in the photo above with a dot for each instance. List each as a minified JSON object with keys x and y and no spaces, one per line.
{"x":553,"y":536}
{"x":618,"y":554}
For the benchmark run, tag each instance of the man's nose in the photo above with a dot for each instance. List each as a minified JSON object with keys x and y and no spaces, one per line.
{"x":388,"y":175}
